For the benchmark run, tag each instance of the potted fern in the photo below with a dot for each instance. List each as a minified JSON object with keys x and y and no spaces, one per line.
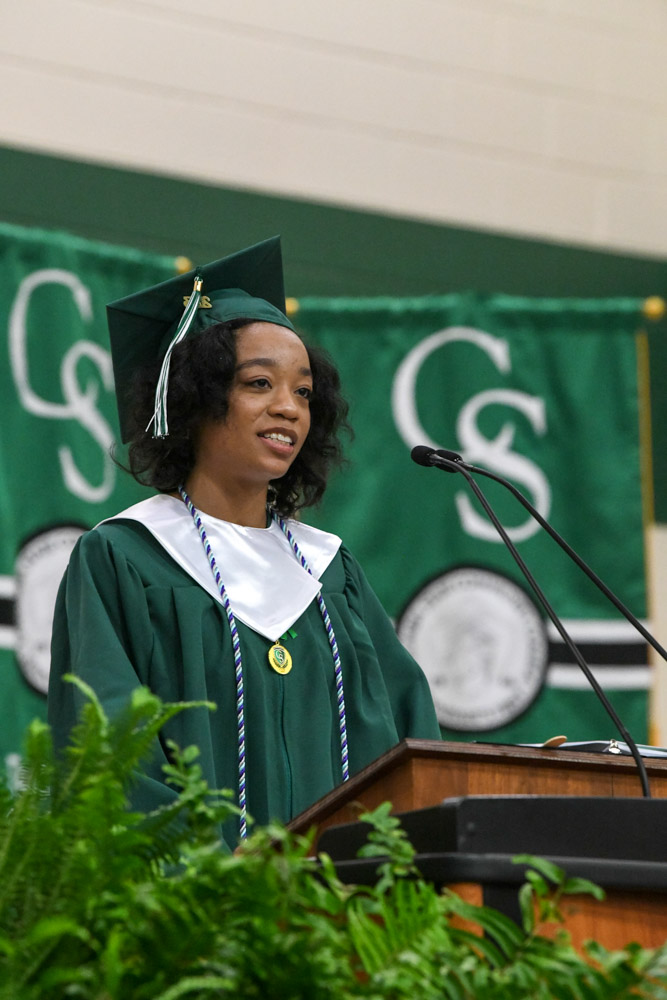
{"x":99,"y":903}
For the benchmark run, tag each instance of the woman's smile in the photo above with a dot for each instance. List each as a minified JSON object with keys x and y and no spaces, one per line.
{"x":281,"y":441}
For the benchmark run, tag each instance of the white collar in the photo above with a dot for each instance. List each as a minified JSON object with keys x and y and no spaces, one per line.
{"x":267,"y":587}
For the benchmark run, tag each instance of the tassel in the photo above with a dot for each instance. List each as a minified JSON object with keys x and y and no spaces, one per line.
{"x":159,"y":418}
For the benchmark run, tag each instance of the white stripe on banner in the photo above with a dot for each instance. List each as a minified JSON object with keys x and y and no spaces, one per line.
{"x":571,"y":677}
{"x":7,"y":637}
{"x":7,"y":586}
{"x":600,"y":632}
{"x":593,"y":630}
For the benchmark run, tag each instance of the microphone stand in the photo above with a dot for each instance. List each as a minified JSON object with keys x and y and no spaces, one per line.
{"x":434,"y":458}
{"x":590,"y":573}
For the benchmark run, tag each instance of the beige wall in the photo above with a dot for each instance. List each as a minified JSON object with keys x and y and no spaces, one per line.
{"x":543,"y":117}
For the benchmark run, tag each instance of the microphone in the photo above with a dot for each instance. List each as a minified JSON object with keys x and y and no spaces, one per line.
{"x":423,"y":455}
{"x":451,"y":461}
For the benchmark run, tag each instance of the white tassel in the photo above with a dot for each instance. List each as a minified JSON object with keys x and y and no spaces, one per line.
{"x":159,"y":418}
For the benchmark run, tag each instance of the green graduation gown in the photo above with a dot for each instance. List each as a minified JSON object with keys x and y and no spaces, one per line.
{"x":128,"y":614}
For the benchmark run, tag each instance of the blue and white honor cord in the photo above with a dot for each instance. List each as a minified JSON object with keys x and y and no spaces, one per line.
{"x":238,"y":661}
{"x":338,"y":673}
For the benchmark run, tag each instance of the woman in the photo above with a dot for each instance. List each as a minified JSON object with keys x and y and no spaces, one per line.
{"x":210,"y":590}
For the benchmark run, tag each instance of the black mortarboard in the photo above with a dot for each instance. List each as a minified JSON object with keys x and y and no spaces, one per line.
{"x":146,"y":326}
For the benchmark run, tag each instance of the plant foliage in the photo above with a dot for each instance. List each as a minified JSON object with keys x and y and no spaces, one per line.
{"x":100,"y":903}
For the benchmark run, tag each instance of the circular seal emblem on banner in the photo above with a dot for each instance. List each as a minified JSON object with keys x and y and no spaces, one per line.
{"x":40,"y":565}
{"x":482,"y":644}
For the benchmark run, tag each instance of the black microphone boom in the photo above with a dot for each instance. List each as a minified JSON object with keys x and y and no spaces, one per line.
{"x":440,"y":458}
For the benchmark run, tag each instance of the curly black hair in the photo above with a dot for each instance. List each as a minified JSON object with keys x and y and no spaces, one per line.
{"x":200,"y":377}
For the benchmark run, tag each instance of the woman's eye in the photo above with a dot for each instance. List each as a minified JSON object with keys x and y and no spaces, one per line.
{"x":305,"y":392}
{"x":261,"y":383}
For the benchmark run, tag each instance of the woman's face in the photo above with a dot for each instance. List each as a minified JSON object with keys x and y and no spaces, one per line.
{"x":268,"y":413}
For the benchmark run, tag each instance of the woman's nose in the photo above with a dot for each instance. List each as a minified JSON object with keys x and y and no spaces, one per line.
{"x":283,"y":401}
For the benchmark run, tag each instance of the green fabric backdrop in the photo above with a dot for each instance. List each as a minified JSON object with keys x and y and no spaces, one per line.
{"x":58,"y":420}
{"x":543,"y":391}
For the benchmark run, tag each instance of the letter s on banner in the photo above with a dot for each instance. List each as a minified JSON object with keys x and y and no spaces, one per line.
{"x":495,"y":455}
{"x":498,"y":457}
{"x":80,"y":405}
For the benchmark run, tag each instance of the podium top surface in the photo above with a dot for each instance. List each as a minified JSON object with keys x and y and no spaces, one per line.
{"x":418,"y":773}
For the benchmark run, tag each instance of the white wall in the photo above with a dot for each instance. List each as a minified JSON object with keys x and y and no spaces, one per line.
{"x":537,"y":117}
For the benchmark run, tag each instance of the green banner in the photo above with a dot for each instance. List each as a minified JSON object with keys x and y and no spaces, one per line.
{"x":545,"y":394}
{"x":542,"y":392}
{"x":59,"y":422}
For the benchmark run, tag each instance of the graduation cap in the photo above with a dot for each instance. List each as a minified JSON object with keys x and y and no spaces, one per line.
{"x":147,"y":325}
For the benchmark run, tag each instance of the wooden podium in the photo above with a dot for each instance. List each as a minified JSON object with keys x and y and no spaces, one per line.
{"x":420,"y":773}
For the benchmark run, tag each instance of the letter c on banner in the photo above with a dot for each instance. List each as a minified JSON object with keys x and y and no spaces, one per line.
{"x":80,"y":405}
{"x":403,"y":393}
{"x":497,"y":454}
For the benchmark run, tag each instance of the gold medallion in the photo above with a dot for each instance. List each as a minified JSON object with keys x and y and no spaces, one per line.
{"x":280,"y":659}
